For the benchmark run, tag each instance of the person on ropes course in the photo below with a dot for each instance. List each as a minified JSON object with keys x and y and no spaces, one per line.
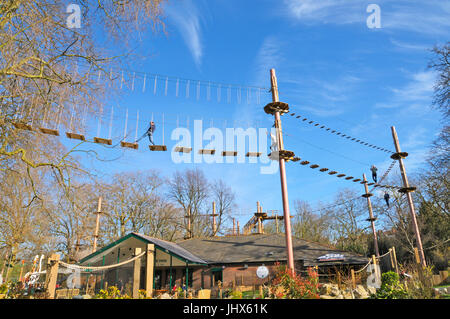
{"x":374,"y":173}
{"x":386,"y":198}
{"x":149,"y":132}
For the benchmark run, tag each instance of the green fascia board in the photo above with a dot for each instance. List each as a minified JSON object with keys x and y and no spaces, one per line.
{"x":115,"y":243}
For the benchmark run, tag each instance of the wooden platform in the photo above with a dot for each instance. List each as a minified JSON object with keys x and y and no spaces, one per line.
{"x":181,"y":149}
{"x":75,"y":136}
{"x":100,"y":140}
{"x":49,"y":131}
{"x":253,"y":154}
{"x":22,"y":126}
{"x":314,"y":166}
{"x":159,"y":148}
{"x":340,"y":175}
{"x":229,"y":153}
{"x":129,"y":145}
{"x":206,"y":151}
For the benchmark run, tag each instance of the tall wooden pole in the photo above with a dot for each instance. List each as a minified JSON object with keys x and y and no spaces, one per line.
{"x":189,"y":223}
{"x":371,"y":218}
{"x":407,"y":189}
{"x":97,"y":224}
{"x":214,"y":218}
{"x":284,"y":191}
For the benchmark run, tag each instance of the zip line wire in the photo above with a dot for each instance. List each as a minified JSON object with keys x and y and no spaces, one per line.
{"x":338,"y":133}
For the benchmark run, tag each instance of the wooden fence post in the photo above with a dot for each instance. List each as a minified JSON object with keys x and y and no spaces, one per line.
{"x":394,"y":255}
{"x":51,"y":275}
{"x":377,"y":273}
{"x":150,"y":264}
{"x":136,"y":274}
{"x":353,"y":278}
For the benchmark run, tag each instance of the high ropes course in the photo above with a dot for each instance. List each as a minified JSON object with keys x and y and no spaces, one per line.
{"x":131,"y":79}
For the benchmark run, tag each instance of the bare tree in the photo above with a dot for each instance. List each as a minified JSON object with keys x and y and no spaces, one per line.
{"x":224,"y":198}
{"x":308,"y":225}
{"x":190,"y":190}
{"x":129,"y":203}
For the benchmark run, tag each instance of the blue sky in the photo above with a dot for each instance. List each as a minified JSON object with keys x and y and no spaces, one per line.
{"x":331,"y":68}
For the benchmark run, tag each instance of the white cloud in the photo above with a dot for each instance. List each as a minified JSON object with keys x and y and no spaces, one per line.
{"x":188,"y":21}
{"x":269,"y":56}
{"x":418,"y":90}
{"x":425,"y":17}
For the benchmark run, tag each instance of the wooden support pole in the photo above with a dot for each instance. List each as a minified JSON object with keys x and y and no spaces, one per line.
{"x":51,"y":275}
{"x":97,"y":224}
{"x":21,"y":270}
{"x":353,"y":278}
{"x":284,"y":191}
{"x":394,"y":255}
{"x":150,"y":266}
{"x":136,"y":274}
{"x":371,"y":218}
{"x":375,"y":268}
{"x":276,"y":222}
{"x":409,"y":197}
{"x":214,"y":218}
{"x":234,"y":226}
{"x":237,"y":227}
{"x":189,"y":235}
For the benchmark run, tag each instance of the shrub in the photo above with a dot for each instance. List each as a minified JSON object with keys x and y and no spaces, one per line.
{"x":292,"y":286}
{"x":111,"y":292}
{"x":391,"y":287}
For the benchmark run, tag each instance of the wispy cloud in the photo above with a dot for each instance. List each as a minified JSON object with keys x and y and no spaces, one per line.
{"x":409,"y":46}
{"x":425,"y":17}
{"x":418,"y":90}
{"x":186,"y":17}
{"x":269,"y":56}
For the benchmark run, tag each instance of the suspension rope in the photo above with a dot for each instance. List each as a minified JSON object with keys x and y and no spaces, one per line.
{"x":73,"y":266}
{"x":332,"y":131}
{"x":340,"y":175}
{"x":357,"y":271}
{"x":383,"y":255}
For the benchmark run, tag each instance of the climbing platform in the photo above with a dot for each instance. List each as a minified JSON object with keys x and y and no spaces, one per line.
{"x":158,"y":148}
{"x":397,"y":156}
{"x":129,"y":145}
{"x":100,"y":140}
{"x":253,"y":154}
{"x":22,"y":126}
{"x":75,"y":136}
{"x":405,"y":190}
{"x":49,"y":131}
{"x":229,"y":153}
{"x":206,"y":151}
{"x":367,"y":195}
{"x":274,"y":107}
{"x":181,"y":149}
